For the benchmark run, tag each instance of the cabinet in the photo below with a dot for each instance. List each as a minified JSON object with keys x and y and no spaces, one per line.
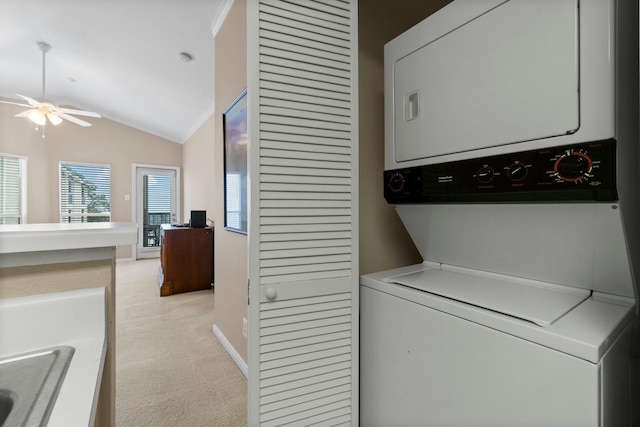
{"x":39,"y":259}
{"x":186,"y":259}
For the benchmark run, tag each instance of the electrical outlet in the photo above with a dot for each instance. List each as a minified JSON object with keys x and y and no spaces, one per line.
{"x":244,"y":327}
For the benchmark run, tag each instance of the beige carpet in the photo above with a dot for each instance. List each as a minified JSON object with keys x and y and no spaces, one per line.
{"x":170,"y":368}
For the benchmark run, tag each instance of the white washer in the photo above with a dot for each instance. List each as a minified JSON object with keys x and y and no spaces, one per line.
{"x":429,"y":360}
{"x":444,"y":345}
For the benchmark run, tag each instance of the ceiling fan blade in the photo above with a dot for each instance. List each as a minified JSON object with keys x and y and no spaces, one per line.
{"x":23,"y":114}
{"x":15,"y":103}
{"x":32,"y":102}
{"x":73,"y":119}
{"x":54,"y":119}
{"x":77,"y":112}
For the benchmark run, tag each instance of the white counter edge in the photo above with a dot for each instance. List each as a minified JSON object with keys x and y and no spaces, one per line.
{"x":62,"y":236}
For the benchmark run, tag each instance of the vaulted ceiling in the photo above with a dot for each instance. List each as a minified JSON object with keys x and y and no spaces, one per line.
{"x":119,"y":58}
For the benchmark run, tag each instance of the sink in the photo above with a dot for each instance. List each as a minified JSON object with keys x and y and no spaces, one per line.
{"x":29,"y":385}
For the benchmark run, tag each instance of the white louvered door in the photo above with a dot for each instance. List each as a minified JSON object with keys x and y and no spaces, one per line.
{"x":303,"y":230}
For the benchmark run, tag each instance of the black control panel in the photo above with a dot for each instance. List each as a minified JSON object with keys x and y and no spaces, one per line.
{"x":579,"y":172}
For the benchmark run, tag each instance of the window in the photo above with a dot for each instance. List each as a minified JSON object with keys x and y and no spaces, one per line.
{"x":13,"y":189}
{"x":85,"y":193}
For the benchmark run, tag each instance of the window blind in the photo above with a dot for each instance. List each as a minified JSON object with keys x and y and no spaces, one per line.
{"x":232,"y":196}
{"x":12,"y":189}
{"x":157,"y":198}
{"x":85,"y":193}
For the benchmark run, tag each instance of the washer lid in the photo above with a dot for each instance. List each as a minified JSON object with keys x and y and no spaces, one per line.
{"x":540,"y":303}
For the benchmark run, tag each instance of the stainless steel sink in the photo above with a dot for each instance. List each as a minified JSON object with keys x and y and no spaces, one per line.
{"x":29,"y":385}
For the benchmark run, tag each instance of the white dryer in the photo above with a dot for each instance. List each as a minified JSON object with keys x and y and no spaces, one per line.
{"x":511,"y":153}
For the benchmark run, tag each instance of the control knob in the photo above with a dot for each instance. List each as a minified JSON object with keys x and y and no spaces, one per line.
{"x":485,"y":174}
{"x":573,"y":166}
{"x":517,"y":171}
{"x":396,"y":182}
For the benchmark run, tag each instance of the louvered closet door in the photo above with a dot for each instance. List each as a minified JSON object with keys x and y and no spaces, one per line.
{"x":303,"y":261}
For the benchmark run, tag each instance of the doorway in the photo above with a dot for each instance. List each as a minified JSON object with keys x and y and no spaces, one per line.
{"x":156,"y":199}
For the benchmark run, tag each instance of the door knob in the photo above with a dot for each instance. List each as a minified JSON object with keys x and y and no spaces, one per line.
{"x":271,"y":294}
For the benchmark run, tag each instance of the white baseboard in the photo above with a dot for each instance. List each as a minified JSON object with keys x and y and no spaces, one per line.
{"x":232,"y":351}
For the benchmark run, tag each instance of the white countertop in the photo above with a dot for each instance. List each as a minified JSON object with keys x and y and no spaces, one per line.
{"x":62,"y":236}
{"x":73,"y":318}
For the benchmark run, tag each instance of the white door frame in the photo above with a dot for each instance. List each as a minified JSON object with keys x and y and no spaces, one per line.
{"x":135,"y":201}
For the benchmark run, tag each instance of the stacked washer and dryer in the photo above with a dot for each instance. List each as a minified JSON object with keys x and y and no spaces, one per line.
{"x":512,"y":157}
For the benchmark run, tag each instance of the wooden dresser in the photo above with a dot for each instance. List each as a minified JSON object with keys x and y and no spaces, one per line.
{"x":186,"y":259}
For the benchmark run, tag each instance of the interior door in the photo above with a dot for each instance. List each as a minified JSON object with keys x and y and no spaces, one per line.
{"x":156,"y":204}
{"x":303,"y":232}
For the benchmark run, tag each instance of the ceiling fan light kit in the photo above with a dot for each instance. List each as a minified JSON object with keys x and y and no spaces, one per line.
{"x":42,"y":109}
{"x":37,"y":117}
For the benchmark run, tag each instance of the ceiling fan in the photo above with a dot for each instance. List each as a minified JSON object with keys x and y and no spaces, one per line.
{"x":41,"y":109}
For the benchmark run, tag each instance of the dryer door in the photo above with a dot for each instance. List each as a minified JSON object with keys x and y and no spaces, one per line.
{"x":505,"y":76}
